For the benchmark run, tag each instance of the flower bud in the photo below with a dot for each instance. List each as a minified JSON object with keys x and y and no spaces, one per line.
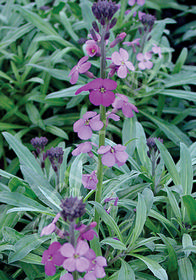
{"x":95,"y":26}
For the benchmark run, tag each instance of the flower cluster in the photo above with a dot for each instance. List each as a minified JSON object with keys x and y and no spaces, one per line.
{"x":73,"y":255}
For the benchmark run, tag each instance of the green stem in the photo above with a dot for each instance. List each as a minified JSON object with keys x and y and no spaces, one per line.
{"x":102,"y":132}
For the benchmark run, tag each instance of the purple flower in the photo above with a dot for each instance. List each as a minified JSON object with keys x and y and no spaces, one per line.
{"x":75,"y":257}
{"x":122,"y":102}
{"x":104,"y":10}
{"x":121,"y":59}
{"x":144,"y":59}
{"x":85,"y":147}
{"x":67,"y":276}
{"x":52,"y":257}
{"x":90,"y":181}
{"x":88,"y":123}
{"x":81,"y":67}
{"x":87,"y":232}
{"x":109,"y":203}
{"x":112,"y":155}
{"x":157,"y":50}
{"x":118,"y":39}
{"x":100,"y":91}
{"x":96,"y":264}
{"x":91,"y":48}
{"x":139,"y":2}
{"x":51,"y":227}
{"x":133,"y":43}
{"x":55,"y":156}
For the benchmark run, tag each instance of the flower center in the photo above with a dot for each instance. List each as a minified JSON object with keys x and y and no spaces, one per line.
{"x":76,"y":256}
{"x":102,"y":90}
{"x":112,"y":150}
{"x":93,"y":50}
{"x":122,"y":62}
{"x":87,"y":122}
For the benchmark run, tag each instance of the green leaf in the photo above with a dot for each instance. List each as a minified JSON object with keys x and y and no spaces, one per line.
{"x":185,"y":269}
{"x":25,"y":156}
{"x":190,"y":204}
{"x":141,"y":215}
{"x":109,"y":221}
{"x":34,"y":115}
{"x":25,"y":245}
{"x":114,"y":243}
{"x":180,"y":61}
{"x":67,"y":25}
{"x":129,"y":133}
{"x":169,"y":163}
{"x":186,"y":242}
{"x":177,"y":93}
{"x":75,"y":176}
{"x":57,"y":131}
{"x":126,"y":272}
{"x":174,"y":204}
{"x":186,"y":169}
{"x":68,"y":92}
{"x":155,"y":267}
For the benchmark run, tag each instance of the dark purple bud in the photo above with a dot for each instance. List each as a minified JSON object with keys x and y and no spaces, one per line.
{"x":107,"y":35}
{"x":39,"y":143}
{"x":151,"y":143}
{"x":55,"y":156}
{"x":72,"y":208}
{"x":113,"y":23}
{"x":104,"y":10}
{"x":95,"y":26}
{"x":93,"y":34}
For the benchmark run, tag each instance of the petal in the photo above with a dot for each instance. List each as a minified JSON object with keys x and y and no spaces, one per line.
{"x":131,"y":2}
{"x":141,"y":2}
{"x":124,"y":54}
{"x":54,"y":247}
{"x":116,"y":58}
{"x":78,"y":124}
{"x":50,"y":269}
{"x":101,"y":261}
{"x":67,"y":250}
{"x":82,"y":60}
{"x":70,"y":264}
{"x":147,"y":55}
{"x":89,"y":114}
{"x":121,"y":156}
{"x":74,"y":77}
{"x":58,"y":259}
{"x":48,"y":229}
{"x":90,"y":276}
{"x":82,"y":264}
{"x":114,"y":117}
{"x":123,"y":97}
{"x":119,"y":148}
{"x":84,"y":67}
{"x":140,"y":56}
{"x":141,"y":65}
{"x":118,"y":103}
{"x":99,"y":271}
{"x":108,"y":98}
{"x":127,"y":110}
{"x":45,"y":257}
{"x":109,"y":84}
{"x":104,"y":149}
{"x":95,"y":97}
{"x":130,"y":65}
{"x":72,"y":70}
{"x":96,"y":124}
{"x":122,"y":72}
{"x":108,"y":159}
{"x":148,"y":64}
{"x":85,"y":132}
{"x":66,"y":276}
{"x":82,"y":248}
{"x":95,"y":84}
{"x":90,"y":255}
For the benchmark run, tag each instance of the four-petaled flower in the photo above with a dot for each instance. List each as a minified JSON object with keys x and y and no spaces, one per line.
{"x":81,"y":67}
{"x":122,"y":102}
{"x":96,"y":264}
{"x":144,"y":59}
{"x":51,"y":227}
{"x":52,"y":257}
{"x":121,"y":59}
{"x":88,"y":123}
{"x":156,"y":50}
{"x":139,"y":2}
{"x":112,"y":155}
{"x":75,"y":257}
{"x":91,"y":48}
{"x":100,"y":91}
{"x":90,"y":181}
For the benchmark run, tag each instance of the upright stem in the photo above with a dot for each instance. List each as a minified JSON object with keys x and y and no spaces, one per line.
{"x":72,"y":241}
{"x":102,"y":132}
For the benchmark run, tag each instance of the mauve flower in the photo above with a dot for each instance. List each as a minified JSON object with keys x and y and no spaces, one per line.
{"x":109,"y":203}
{"x":52,"y":257}
{"x":90,"y":181}
{"x":88,"y":123}
{"x":121,"y":59}
{"x":112,"y":155}
{"x":51,"y":227}
{"x":122,"y":102}
{"x":96,"y":264}
{"x":81,"y":67}
{"x":91,"y":48}
{"x":85,"y":147}
{"x":139,"y":2}
{"x":118,"y":39}
{"x":87,"y":232}
{"x":157,"y":50}
{"x":133,"y":43}
{"x":144,"y":59}
{"x":67,"y":276}
{"x":75,"y":257}
{"x":100,"y":91}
